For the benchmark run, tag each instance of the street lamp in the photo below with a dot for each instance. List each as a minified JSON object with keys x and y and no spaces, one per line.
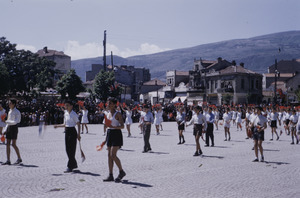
{"x":156,"y":91}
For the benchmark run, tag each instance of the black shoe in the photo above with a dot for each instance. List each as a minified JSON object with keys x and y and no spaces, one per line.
{"x":206,"y":145}
{"x":256,"y":160}
{"x":297,"y":142}
{"x":271,"y":139}
{"x":277,"y":138}
{"x":179,"y":143}
{"x":292,"y":143}
{"x":68,"y":170}
{"x":183,"y":142}
{"x":144,"y":151}
{"x":229,"y":139}
{"x":109,"y":178}
{"x":6,"y":163}
{"x":196,"y":154}
{"x":225,"y":139}
{"x":200,"y":152}
{"x":19,"y":161}
{"x":120,"y":176}
{"x":212,"y":145}
{"x":247,"y":138}
{"x":252,"y":148}
{"x":262,"y":159}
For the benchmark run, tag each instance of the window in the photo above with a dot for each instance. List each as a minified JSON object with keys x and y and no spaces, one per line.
{"x":242,"y":84}
{"x":252,"y":84}
{"x":256,"y":84}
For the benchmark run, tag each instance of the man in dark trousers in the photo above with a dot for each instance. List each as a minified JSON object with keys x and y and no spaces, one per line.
{"x":71,"y":135}
{"x":148,"y":120}
{"x":210,"y":119}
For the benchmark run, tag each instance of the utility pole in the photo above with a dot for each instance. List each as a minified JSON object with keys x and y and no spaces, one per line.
{"x":275,"y":86}
{"x":112,"y":59}
{"x":104,"y":51}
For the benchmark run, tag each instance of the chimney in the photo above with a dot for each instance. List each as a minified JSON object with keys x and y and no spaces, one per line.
{"x":45,"y":50}
{"x":219,"y":59}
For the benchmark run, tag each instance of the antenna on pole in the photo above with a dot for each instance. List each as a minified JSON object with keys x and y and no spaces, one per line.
{"x":104,"y":51}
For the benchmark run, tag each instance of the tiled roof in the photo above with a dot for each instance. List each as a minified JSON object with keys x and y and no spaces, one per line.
{"x":182,"y":73}
{"x":236,"y":69}
{"x":42,"y":53}
{"x":153,"y":82}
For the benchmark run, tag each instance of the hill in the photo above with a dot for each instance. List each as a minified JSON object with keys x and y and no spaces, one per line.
{"x":258,"y":53}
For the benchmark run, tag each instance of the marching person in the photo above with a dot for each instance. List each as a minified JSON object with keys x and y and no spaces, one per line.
{"x":293,"y":124}
{"x":84,"y":118}
{"x":71,"y":136}
{"x":260,"y":124}
{"x":2,"y":118}
{"x":147,"y":121}
{"x":274,"y":117}
{"x":226,"y":123}
{"x":180,"y":118}
{"x":200,"y":125}
{"x":128,"y":120}
{"x":13,"y":119}
{"x":210,"y":119}
{"x":114,"y":140}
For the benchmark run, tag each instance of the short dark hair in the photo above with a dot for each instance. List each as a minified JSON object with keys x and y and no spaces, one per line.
{"x":198,"y":108}
{"x":69,"y":102}
{"x":113,"y":100}
{"x":13,"y":101}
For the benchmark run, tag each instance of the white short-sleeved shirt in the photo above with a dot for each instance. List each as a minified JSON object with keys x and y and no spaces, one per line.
{"x":71,"y":119}
{"x":259,"y":120}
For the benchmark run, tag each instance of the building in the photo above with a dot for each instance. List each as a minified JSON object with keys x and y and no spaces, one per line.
{"x":130,"y":78}
{"x":154,"y":85}
{"x":63,"y":61}
{"x":220,"y":82}
{"x":288,"y":81}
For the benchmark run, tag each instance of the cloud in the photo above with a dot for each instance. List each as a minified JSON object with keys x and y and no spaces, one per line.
{"x":26,"y":47}
{"x":91,"y":50}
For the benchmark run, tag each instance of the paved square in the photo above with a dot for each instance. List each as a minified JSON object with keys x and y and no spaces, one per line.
{"x":225,"y":170}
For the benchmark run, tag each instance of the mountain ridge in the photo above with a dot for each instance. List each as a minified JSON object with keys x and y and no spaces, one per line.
{"x":257,"y":53}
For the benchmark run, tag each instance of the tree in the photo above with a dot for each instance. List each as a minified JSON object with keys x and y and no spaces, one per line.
{"x":26,"y":70}
{"x":4,"y":79}
{"x":105,"y":85}
{"x":70,"y":84}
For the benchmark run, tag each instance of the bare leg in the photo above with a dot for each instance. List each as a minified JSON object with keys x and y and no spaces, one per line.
{"x":14,"y":145}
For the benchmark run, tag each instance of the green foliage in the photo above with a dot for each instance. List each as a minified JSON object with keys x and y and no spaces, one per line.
{"x":105,"y":86}
{"x":26,"y":70}
{"x":70,"y":84}
{"x":297,"y":92}
{"x":4,"y":79}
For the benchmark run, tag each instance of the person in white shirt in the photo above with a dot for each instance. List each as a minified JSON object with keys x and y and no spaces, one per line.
{"x":128,"y":120}
{"x":71,"y":136}
{"x":147,"y":121}
{"x":239,"y":119}
{"x":158,"y":117}
{"x":11,"y":132}
{"x":247,"y":123}
{"x":287,"y":121}
{"x":84,"y":118}
{"x":216,"y":113}
{"x":200,"y":126}
{"x":226,"y":123}
{"x":114,"y":140}
{"x":2,"y":118}
{"x":260,"y":124}
{"x":274,"y":117}
{"x":293,"y":124}
{"x":180,"y":118}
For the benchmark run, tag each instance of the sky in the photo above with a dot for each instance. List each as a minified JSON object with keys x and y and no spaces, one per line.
{"x":137,"y":27}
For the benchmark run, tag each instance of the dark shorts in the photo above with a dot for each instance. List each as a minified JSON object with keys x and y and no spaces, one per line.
{"x":287,"y":122}
{"x":180,"y":126}
{"x":273,"y":123}
{"x":197,"y":129}
{"x":114,"y":138}
{"x":258,"y":135}
{"x":12,"y":132}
